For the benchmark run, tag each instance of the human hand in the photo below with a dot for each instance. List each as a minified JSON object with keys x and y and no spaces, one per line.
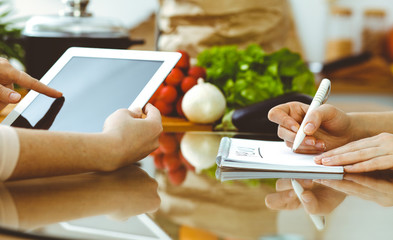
{"x":134,"y":136}
{"x":376,"y":189}
{"x":9,"y":75}
{"x":316,"y":198}
{"x":327,"y":127}
{"x":365,"y":155}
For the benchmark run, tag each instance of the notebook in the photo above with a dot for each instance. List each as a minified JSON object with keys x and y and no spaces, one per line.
{"x":267,"y":155}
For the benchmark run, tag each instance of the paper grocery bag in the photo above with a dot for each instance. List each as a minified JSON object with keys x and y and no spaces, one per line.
{"x":194,"y":25}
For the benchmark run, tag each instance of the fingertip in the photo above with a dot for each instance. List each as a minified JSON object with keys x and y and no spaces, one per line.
{"x":307,"y":197}
{"x":309,"y":129}
{"x":318,"y":160}
{"x":136,"y":112}
{"x":14,"y":97}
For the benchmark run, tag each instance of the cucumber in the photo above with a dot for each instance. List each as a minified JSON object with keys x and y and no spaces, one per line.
{"x":254,"y":119}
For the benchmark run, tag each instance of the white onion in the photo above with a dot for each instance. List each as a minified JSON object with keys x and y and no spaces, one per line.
{"x":203,"y":103}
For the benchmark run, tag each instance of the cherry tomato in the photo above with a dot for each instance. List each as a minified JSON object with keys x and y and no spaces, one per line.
{"x":168,"y":94}
{"x":164,"y":108}
{"x":179,"y":110}
{"x":188,"y":83}
{"x":175,"y":77}
{"x":197,"y":72}
{"x":184,"y":62}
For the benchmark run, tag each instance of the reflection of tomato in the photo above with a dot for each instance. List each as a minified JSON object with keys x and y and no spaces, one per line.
{"x":177,"y":176}
{"x":158,"y":161}
{"x":168,"y":143}
{"x":171,"y":161}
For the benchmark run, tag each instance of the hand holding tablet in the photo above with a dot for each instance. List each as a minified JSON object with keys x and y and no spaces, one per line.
{"x":95,"y":83}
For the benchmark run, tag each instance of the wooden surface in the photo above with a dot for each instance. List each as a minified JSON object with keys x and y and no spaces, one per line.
{"x":6,"y":111}
{"x":172,"y":124}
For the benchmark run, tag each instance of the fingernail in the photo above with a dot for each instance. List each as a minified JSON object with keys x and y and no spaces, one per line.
{"x":310,"y":142}
{"x":320,"y":145}
{"x":306,"y":198}
{"x":292,"y":194}
{"x":309,"y":128}
{"x":14,"y":97}
{"x":326,"y":160}
{"x":294,"y":128}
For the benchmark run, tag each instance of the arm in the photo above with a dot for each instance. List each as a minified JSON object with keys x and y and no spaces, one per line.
{"x":126,"y":138}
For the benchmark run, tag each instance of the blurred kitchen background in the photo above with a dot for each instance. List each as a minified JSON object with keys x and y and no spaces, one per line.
{"x":349,"y":41}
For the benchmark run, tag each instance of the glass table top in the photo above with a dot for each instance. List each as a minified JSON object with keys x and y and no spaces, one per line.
{"x":177,"y":192}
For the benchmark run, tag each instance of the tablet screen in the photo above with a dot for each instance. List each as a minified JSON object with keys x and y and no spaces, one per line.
{"x":93,"y":88}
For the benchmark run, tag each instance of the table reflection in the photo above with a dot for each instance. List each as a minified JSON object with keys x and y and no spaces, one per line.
{"x":31,"y":204}
{"x":241,"y":204}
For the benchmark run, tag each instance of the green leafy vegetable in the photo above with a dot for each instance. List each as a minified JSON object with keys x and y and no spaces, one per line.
{"x":251,"y":75}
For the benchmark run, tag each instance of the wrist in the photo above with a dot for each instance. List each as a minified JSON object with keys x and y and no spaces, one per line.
{"x":111,"y":152}
{"x":358,"y":129}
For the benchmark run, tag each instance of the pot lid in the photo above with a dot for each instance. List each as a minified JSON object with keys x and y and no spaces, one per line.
{"x":74,"y":21}
{"x":70,"y":26}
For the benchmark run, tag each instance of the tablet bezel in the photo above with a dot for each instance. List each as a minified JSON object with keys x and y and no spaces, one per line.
{"x":169,"y":60}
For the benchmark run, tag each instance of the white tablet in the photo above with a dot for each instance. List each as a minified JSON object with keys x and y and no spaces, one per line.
{"x":94,"y":82}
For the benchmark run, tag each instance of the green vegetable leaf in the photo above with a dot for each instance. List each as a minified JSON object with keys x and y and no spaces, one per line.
{"x":251,"y":75}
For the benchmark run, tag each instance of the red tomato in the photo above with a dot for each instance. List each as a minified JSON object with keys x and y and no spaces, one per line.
{"x":197,"y":72}
{"x":188,"y":83}
{"x":156,"y":152}
{"x":168,"y":143}
{"x":155,"y":94}
{"x":177,"y":177}
{"x":179,"y":110}
{"x":168,"y":94}
{"x":164,"y":108}
{"x":175,"y":77}
{"x":171,"y":161}
{"x":184,"y":62}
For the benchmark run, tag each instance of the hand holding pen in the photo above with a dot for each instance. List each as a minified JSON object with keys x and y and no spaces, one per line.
{"x":325,"y":127}
{"x":320,"y":97}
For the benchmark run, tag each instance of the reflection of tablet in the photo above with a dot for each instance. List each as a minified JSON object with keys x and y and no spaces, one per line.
{"x":95,"y":82}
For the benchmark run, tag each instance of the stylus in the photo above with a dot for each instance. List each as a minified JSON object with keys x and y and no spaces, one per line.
{"x":319,"y":98}
{"x":319,"y":221}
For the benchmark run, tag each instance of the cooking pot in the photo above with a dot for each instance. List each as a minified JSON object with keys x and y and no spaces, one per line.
{"x":46,"y":38}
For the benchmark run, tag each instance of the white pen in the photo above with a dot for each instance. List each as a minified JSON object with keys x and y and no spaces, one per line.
{"x":319,"y":221}
{"x":319,"y":98}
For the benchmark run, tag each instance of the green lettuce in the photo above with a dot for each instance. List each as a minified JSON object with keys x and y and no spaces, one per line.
{"x":251,"y":75}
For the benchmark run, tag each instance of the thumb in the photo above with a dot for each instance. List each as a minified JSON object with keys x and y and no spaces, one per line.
{"x":317,"y":116}
{"x":8,"y":95}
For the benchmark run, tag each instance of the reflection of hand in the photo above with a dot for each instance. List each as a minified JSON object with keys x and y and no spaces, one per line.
{"x":124,"y":193}
{"x":9,"y":75}
{"x":365,"y":155}
{"x":316,"y":198}
{"x":135,"y":136}
{"x":327,"y":126}
{"x":365,"y":187}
